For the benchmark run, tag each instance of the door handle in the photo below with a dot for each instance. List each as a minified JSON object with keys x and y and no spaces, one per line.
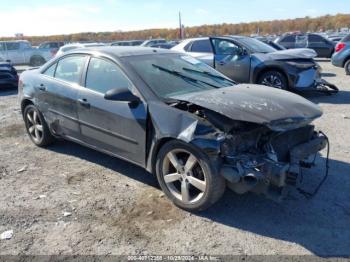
{"x":84,"y":102}
{"x":222,"y":63}
{"x":42,"y":87}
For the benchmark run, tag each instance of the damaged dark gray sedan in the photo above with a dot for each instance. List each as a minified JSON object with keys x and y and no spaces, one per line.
{"x":176,"y":117}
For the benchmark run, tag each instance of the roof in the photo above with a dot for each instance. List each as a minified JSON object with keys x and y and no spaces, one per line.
{"x":122,"y":51}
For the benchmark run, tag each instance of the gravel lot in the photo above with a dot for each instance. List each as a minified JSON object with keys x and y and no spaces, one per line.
{"x":117,"y":208}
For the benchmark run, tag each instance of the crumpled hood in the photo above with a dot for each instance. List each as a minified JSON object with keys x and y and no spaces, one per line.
{"x":275,"y":108}
{"x":298,"y":53}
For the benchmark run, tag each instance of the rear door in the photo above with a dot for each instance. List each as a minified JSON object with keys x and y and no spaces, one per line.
{"x":288,"y":41}
{"x":112,"y":126}
{"x":322,"y":47}
{"x":14,"y":53}
{"x":231,"y":60}
{"x":58,"y":91}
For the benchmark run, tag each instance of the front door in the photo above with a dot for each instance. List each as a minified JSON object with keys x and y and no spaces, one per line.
{"x":112,"y":126}
{"x":231,"y":60}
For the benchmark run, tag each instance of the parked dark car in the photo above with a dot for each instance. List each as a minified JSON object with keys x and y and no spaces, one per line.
{"x":273,"y":44}
{"x":8,"y":75}
{"x":164,"y":45}
{"x":248,"y":60}
{"x":128,"y":43}
{"x":174,"y":116}
{"x":341,"y":57}
{"x":323,"y":46}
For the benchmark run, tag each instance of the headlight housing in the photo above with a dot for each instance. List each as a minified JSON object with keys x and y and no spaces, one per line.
{"x":303,"y":65}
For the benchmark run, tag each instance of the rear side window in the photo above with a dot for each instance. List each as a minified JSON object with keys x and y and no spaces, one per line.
{"x":51,"y":70}
{"x":202,"y":46}
{"x":103,"y":75}
{"x":316,"y":39}
{"x":12,"y":46}
{"x":288,"y":39}
{"x":70,"y":68}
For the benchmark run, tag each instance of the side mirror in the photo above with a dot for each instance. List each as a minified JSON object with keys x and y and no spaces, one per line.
{"x":122,"y":95}
{"x":242,"y":52}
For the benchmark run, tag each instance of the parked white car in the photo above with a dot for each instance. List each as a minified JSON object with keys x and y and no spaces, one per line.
{"x":22,"y":53}
{"x":70,"y":47}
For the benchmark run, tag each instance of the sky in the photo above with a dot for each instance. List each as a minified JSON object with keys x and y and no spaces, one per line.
{"x":40,"y":17}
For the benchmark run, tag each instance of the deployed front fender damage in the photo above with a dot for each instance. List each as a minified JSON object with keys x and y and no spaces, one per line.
{"x":171,"y":123}
{"x":253,"y":137}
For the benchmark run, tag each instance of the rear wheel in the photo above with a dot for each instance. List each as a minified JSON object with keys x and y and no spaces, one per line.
{"x":187,"y":177}
{"x":37,"y":61}
{"x":36,"y":127}
{"x":347,"y":67}
{"x":273,"y":79}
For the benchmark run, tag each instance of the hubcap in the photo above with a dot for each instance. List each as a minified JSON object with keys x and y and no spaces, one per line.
{"x":272,"y":81}
{"x":184,"y":176}
{"x":35,"y":127}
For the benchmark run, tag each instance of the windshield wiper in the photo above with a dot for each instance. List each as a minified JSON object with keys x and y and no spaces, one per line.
{"x":208,"y":74}
{"x":179,"y":74}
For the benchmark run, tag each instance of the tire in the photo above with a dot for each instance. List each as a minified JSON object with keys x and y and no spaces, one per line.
{"x":36,"y":127}
{"x":273,"y":79}
{"x":37,"y":61}
{"x":347,"y":67}
{"x":203,"y":185}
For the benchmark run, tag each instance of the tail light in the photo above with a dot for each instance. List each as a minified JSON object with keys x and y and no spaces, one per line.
{"x":340,"y":46}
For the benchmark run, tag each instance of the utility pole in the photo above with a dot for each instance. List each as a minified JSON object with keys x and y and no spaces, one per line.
{"x":180,"y":28}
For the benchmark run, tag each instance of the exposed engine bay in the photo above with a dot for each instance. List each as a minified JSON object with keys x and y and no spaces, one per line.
{"x":255,"y":158}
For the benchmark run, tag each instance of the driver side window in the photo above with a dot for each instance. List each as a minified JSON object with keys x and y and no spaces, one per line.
{"x":103,"y":75}
{"x":224,"y":47}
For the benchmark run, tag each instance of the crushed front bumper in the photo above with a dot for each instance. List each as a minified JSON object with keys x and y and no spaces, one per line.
{"x":270,"y":177}
{"x":311,"y":80}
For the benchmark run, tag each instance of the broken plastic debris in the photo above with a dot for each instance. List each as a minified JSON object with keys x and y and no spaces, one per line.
{"x":67,"y":214}
{"x":22,"y":169}
{"x":7,"y":234}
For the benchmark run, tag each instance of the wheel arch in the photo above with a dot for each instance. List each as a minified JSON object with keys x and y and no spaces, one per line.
{"x":153,"y":152}
{"x":25,"y":103}
{"x":346,"y":60}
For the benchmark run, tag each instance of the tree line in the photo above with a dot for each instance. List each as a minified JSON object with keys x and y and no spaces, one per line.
{"x":322,"y":23}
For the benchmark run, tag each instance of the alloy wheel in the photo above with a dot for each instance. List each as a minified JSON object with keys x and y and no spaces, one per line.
{"x":35,"y":127}
{"x":273,"y":81}
{"x":184,"y":176}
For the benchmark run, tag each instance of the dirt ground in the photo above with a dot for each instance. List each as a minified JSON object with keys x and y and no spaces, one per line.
{"x":113,"y":207}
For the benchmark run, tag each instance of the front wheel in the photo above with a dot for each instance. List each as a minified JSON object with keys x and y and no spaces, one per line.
{"x":273,"y":79}
{"x":347,"y":67}
{"x":187,"y":177}
{"x":36,"y":127}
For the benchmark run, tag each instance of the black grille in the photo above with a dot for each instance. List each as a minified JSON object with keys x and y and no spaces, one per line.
{"x":284,"y":142}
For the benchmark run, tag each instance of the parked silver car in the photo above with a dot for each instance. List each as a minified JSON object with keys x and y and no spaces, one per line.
{"x":22,"y":53}
{"x":248,"y":60}
{"x":341,"y":57}
{"x":70,"y":47}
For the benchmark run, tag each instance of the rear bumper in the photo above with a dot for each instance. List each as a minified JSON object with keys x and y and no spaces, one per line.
{"x":8,"y":79}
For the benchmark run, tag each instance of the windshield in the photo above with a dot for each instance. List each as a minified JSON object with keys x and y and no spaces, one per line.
{"x":175,"y":74}
{"x":256,"y":46}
